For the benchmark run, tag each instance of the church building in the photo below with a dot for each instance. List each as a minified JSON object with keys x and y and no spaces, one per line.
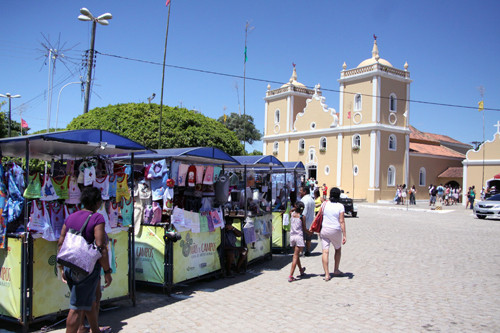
{"x":368,"y":147}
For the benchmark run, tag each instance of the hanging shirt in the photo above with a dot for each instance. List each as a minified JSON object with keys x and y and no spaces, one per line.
{"x":48,"y":191}
{"x":74,"y":192}
{"x":122,"y":190}
{"x":102,"y":183}
{"x":112,"y":186}
{"x":39,"y":216}
{"x":70,"y":167}
{"x":208,"y":178}
{"x":156,"y":213}
{"x":174,"y":170}
{"x":158,"y":186}
{"x":61,"y":186}
{"x":200,"y":170}
{"x":113,"y":213}
{"x":157,"y":169}
{"x":34,"y":188}
{"x":127,"y":211}
{"x":181,"y":176}
{"x":89,"y":176}
{"x":191,"y":176}
{"x":57,"y":215}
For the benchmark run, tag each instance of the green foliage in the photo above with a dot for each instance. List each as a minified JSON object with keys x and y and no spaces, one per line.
{"x":35,"y":164}
{"x":50,"y":130}
{"x":256,"y":152}
{"x":15,"y":129}
{"x":180,"y":127}
{"x":243,"y":126}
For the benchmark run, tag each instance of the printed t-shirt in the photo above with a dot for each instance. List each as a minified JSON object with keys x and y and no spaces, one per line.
{"x":34,"y":188}
{"x":61,"y":186}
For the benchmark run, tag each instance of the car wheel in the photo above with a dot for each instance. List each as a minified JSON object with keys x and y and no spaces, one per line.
{"x":354,"y":214}
{"x":482,"y":217}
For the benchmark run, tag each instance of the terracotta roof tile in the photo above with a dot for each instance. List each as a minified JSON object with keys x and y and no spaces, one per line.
{"x":416,"y":135}
{"x":431,"y":149}
{"x":452,"y":172}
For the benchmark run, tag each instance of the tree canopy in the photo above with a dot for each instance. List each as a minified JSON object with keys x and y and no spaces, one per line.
{"x":180,"y":127}
{"x":243,"y":126}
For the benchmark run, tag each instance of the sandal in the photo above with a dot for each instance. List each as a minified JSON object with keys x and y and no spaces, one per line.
{"x":291,"y":279}
{"x":105,"y":329}
{"x":302,"y":271}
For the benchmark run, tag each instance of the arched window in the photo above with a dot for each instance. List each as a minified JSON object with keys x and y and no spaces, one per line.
{"x":302,"y":145}
{"x":276,"y":147}
{"x":393,"y":103}
{"x":357,"y":102}
{"x":312,"y":154}
{"x":393,"y":144}
{"x":277,"y":116}
{"x":322,"y":144}
{"x":391,"y":176}
{"x":421,"y":177}
{"x":356,"y":141}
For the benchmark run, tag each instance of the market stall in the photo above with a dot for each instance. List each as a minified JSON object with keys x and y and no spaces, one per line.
{"x":184,"y":242}
{"x":286,"y":178}
{"x":34,"y":207}
{"x":251,"y":213}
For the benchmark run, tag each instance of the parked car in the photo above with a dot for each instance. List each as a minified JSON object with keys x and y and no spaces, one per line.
{"x":349,"y":206}
{"x":489,"y":207}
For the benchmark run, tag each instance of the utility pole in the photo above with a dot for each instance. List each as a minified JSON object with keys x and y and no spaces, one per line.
{"x":9,"y":96}
{"x":247,"y":28}
{"x":481,"y":92}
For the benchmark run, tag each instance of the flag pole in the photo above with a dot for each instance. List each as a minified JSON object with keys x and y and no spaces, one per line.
{"x":169,"y":4}
{"x":244,"y":83}
{"x":481,"y":108}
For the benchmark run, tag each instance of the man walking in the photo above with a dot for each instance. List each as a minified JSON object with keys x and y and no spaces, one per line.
{"x":309,"y":215}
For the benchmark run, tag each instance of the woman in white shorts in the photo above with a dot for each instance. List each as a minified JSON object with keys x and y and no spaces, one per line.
{"x":333,"y":231}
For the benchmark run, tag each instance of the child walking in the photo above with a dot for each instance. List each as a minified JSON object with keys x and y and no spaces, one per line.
{"x":297,"y":229}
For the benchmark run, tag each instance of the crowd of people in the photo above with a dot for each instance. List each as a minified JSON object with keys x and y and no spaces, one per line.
{"x":446,"y":195}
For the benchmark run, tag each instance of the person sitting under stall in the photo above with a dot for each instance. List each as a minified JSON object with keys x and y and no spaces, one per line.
{"x":231,"y":250}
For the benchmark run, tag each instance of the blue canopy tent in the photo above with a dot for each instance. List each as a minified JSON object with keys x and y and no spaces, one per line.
{"x":68,"y":145}
{"x":47,"y":146}
{"x":194,"y":154}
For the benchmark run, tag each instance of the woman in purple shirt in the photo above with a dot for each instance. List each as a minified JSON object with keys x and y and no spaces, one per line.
{"x":85,"y":289}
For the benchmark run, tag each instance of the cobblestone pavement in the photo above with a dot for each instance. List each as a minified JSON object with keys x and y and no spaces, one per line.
{"x":411,"y":270}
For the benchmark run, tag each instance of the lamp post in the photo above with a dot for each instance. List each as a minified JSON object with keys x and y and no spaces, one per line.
{"x":59,"y":98}
{"x":9,"y":96}
{"x":102,"y":19}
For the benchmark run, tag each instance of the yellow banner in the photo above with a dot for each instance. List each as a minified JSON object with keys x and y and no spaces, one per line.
{"x":278,"y":231}
{"x":118,"y":244}
{"x":196,"y":255}
{"x":150,"y":255}
{"x":10,"y":278}
{"x":51,"y":295}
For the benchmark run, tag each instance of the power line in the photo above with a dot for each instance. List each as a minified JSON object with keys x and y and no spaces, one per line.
{"x":280,"y":83}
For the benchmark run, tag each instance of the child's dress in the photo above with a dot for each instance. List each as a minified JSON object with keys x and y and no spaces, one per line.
{"x":296,"y":232}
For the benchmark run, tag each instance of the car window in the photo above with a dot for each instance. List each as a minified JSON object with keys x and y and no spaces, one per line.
{"x":495,"y":197}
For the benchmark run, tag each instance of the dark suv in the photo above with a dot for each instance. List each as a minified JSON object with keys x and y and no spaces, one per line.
{"x":349,"y":206}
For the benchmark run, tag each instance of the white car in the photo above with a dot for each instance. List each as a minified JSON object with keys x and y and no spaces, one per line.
{"x":489,"y":207}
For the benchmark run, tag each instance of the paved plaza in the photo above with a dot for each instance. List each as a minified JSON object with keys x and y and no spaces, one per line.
{"x":411,"y":270}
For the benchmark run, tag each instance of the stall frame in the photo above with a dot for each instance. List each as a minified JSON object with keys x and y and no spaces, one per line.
{"x":257,"y":163}
{"x":199,"y":155}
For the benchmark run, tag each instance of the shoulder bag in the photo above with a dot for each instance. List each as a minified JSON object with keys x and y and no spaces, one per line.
{"x":318,"y":220}
{"x":76,"y":253}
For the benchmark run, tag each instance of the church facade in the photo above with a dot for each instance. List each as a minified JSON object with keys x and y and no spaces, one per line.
{"x":368,"y":147}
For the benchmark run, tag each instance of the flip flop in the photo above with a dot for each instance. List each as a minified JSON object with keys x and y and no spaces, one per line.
{"x":105,"y":329}
{"x":291,"y":279}
{"x":302,"y":271}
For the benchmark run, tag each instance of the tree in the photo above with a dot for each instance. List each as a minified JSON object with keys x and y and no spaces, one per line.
{"x":180,"y":127}
{"x":243,"y":127}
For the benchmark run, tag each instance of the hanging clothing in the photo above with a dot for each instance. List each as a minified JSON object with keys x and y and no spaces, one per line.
{"x":40,"y":220}
{"x":70,"y":167}
{"x":122,"y":190}
{"x":89,"y":176}
{"x":158,"y":186}
{"x":48,"y":191}
{"x":74,"y":192}
{"x":18,"y":176}
{"x":181,"y":176}
{"x":157,"y":169}
{"x":61,"y":185}
{"x":112,"y":186}
{"x":208,"y":178}
{"x":34,"y":188}
{"x":200,"y":170}
{"x":57,"y":213}
{"x":156,"y":213}
{"x":174,"y":170}
{"x":102,"y":183}
{"x":191,"y":176}
{"x":127,"y":211}
{"x":113,"y":213}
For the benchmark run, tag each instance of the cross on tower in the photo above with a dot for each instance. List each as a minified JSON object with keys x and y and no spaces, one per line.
{"x":497,"y":125}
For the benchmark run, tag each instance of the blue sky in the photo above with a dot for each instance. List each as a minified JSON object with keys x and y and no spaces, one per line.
{"x":452,"y":48}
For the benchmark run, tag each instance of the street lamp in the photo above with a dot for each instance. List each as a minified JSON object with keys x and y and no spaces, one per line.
{"x":102,"y":19}
{"x":59,"y":98}
{"x":9,"y":96}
